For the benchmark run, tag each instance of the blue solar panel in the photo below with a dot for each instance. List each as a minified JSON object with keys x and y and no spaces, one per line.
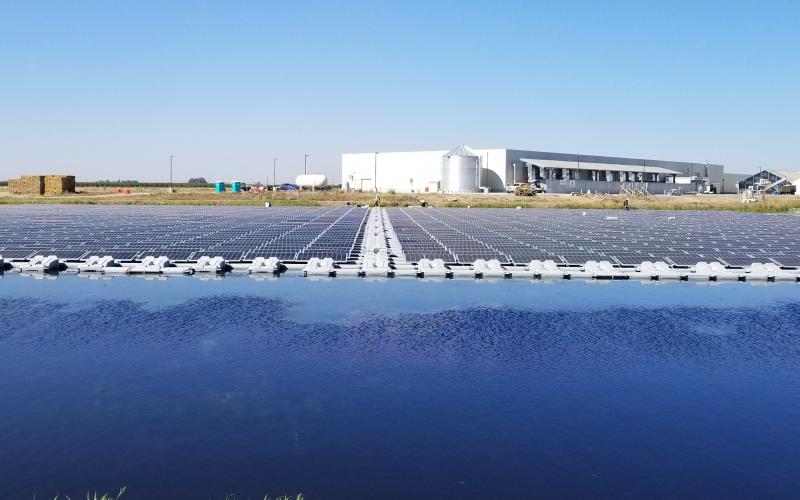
{"x":454,"y":235}
{"x":575,"y":236}
{"x":181,"y":233}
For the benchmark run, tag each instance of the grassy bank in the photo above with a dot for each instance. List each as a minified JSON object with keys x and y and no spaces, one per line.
{"x":204,"y":196}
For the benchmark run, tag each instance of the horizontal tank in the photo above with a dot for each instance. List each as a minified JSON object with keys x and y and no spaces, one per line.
{"x":460,"y":169}
{"x":311,"y":180}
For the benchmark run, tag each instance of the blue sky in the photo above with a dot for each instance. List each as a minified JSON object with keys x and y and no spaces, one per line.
{"x":111,"y":89}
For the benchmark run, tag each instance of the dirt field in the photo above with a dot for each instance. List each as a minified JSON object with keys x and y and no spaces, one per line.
{"x":205,"y":196}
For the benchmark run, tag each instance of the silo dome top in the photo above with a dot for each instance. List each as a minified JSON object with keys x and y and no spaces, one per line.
{"x":461,"y":150}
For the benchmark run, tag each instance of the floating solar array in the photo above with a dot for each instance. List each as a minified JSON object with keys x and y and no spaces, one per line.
{"x":182,"y":233}
{"x":573,"y":237}
{"x":460,"y":236}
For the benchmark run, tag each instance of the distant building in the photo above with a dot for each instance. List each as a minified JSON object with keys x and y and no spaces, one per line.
{"x":772,"y":182}
{"x":466,"y":170}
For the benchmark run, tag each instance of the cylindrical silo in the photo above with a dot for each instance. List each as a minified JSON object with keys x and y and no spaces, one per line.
{"x":460,"y":171}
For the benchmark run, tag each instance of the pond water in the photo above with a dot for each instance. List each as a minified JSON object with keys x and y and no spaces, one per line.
{"x":345,"y":388}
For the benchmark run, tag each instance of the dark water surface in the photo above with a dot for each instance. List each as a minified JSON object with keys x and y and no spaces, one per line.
{"x":401,"y":389}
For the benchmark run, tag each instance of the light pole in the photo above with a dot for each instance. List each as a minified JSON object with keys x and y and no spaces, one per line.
{"x":170,"y":172}
{"x":274,"y":178}
{"x":305,"y":164}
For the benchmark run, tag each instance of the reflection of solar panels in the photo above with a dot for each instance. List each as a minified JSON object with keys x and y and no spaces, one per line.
{"x":570,"y":237}
{"x":181,"y":233}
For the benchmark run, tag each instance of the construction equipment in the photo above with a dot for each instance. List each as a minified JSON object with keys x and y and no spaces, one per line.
{"x":524,"y":190}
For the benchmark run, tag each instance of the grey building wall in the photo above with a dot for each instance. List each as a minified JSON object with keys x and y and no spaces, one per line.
{"x":711,"y":170}
{"x":730,"y":182}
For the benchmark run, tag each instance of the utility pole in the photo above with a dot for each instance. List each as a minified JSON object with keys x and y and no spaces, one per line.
{"x":305,"y":164}
{"x":170,"y":172}
{"x":486,"y":171}
{"x":274,"y":178}
{"x":375,"y":174}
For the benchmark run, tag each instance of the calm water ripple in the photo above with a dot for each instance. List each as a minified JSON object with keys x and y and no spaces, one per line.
{"x":454,"y":390}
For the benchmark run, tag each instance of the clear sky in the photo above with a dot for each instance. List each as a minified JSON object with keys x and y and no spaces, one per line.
{"x":111,"y":89}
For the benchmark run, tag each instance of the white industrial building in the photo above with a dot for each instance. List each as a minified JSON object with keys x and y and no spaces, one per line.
{"x":465,"y":170}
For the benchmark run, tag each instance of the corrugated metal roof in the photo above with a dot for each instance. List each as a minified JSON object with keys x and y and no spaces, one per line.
{"x":627,"y":168}
{"x":613,"y":167}
{"x":461,"y":150}
{"x":786,"y":174}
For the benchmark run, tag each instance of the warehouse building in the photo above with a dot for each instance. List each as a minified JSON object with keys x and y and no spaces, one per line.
{"x":772,"y":182}
{"x":467,"y":170}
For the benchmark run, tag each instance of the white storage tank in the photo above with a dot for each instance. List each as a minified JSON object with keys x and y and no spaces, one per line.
{"x":460,"y":168}
{"x":311,"y":181}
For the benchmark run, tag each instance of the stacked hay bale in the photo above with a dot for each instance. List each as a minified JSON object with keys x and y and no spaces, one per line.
{"x":59,"y":184}
{"x":27,"y":184}
{"x":42,"y":184}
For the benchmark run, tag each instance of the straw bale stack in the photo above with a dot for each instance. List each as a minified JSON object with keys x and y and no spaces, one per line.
{"x":59,"y":184}
{"x":35,"y":185}
{"x":27,"y":184}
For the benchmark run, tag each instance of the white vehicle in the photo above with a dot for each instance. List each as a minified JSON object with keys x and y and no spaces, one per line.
{"x":511,"y":188}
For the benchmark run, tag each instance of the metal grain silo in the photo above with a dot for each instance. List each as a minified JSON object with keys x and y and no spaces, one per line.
{"x":460,"y":171}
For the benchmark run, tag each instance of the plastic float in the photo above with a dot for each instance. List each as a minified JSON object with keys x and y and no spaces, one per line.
{"x":206,"y":264}
{"x":432,"y":268}
{"x":547,"y":269}
{"x":602,"y":270}
{"x":382,"y":264}
{"x":353,"y":270}
{"x":269,"y":265}
{"x":769,"y":272}
{"x":158,"y":265}
{"x":376,"y":265}
{"x":658,"y":270}
{"x":40,"y":264}
{"x":713,"y":271}
{"x":489,"y":269}
{"x":97,"y":264}
{"x":319,"y":267}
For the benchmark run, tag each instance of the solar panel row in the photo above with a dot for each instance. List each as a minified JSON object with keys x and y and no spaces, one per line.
{"x":454,"y":235}
{"x":182,"y":233}
{"x":573,"y":237}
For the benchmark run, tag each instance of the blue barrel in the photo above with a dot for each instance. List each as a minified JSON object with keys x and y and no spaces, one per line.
{"x":220,"y":187}
{"x":236,"y":187}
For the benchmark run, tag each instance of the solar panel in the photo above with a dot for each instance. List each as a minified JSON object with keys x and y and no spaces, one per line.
{"x":574,"y":236}
{"x":180,"y":233}
{"x":458,"y":236}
